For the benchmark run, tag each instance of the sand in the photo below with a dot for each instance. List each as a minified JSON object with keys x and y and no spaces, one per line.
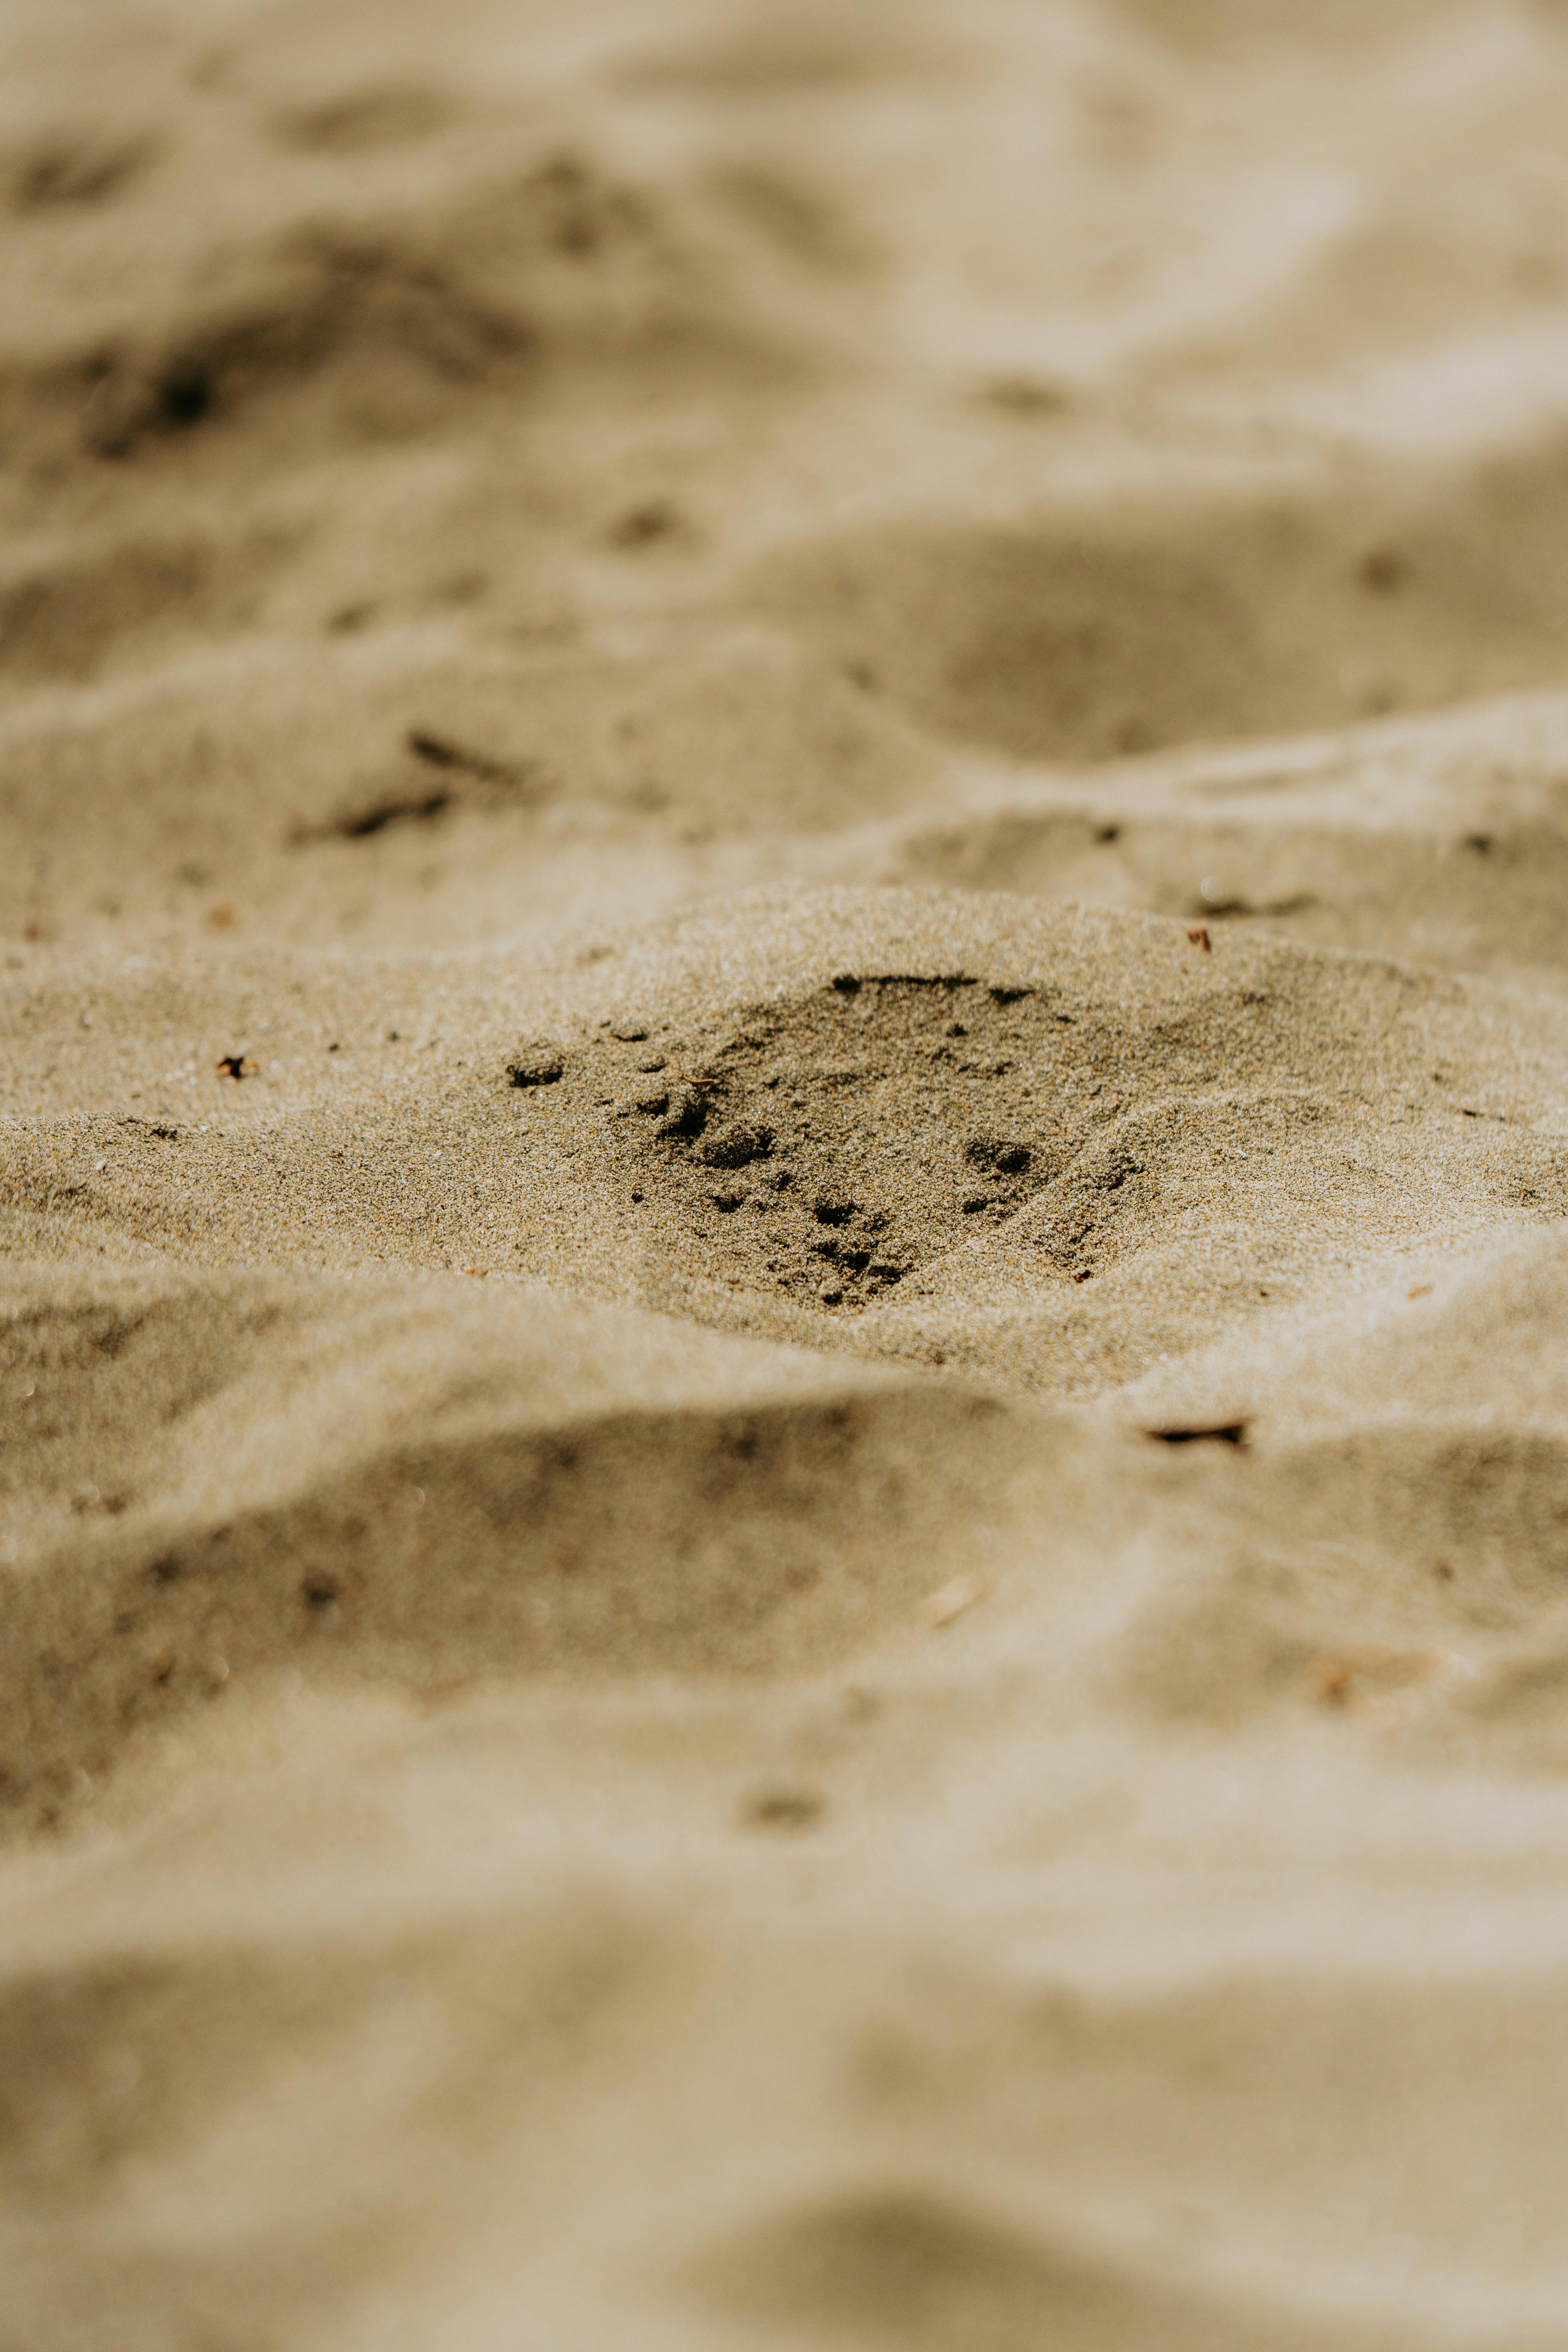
{"x":783,"y":1176}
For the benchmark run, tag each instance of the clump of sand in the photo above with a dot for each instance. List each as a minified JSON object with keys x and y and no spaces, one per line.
{"x":783,"y":1148}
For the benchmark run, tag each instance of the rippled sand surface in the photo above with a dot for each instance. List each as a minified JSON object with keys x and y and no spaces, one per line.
{"x":783,"y":1159}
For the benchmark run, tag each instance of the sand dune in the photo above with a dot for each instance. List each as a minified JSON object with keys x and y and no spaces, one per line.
{"x":783,"y":1147}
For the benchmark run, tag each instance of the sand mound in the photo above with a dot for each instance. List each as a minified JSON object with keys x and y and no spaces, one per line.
{"x":955,"y":1112}
{"x":983,"y":1109}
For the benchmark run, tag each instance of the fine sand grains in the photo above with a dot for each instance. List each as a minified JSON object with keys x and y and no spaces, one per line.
{"x":784,"y":1177}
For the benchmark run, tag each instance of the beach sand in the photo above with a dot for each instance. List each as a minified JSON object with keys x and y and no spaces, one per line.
{"x":783,"y":1176}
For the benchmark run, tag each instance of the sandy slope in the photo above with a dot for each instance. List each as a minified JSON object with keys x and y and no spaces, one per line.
{"x":783,"y":1148}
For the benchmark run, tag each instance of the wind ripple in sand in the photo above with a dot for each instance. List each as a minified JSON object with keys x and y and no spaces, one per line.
{"x":619,"y":1501}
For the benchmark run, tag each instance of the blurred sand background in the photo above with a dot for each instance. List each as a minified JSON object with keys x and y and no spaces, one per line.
{"x":784,"y":1140}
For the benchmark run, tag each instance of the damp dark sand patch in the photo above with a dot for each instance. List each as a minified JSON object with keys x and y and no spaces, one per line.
{"x":824,"y":1149}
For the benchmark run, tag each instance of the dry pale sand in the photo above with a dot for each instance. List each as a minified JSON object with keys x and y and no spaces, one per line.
{"x":783,"y":1159}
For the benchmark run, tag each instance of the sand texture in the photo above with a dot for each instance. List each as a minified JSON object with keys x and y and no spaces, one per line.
{"x":783,"y":1176}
